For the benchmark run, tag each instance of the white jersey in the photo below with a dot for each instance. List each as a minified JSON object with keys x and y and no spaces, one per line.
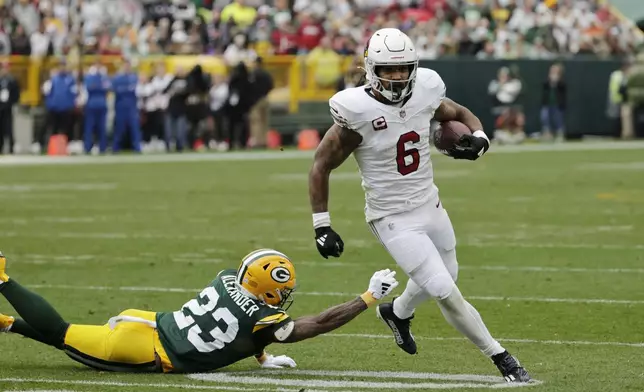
{"x":393,"y":158}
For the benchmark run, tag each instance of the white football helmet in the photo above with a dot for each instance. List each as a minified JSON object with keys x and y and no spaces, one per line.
{"x":390,"y":47}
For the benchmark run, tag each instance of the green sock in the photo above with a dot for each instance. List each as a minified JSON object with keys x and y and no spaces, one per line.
{"x":21,"y":327}
{"x":36,"y":312}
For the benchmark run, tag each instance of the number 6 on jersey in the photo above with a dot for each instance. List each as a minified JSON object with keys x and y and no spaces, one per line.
{"x":405,"y":168}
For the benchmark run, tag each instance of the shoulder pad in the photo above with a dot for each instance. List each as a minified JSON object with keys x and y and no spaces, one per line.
{"x":347,"y":109}
{"x":273,"y":319}
{"x":432,"y":87}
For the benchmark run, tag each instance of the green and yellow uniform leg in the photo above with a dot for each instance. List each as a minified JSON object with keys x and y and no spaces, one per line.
{"x":128,"y":347}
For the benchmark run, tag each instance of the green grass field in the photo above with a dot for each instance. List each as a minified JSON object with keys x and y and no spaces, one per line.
{"x":550,"y":244}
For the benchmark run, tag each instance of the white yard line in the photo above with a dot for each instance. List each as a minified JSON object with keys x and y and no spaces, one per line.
{"x":358,"y":243}
{"x":130,"y":385}
{"x":509,"y":340}
{"x":549,"y":245}
{"x":377,"y":336}
{"x":18,"y":160}
{"x":271,"y":381}
{"x":620,"y":166}
{"x":339,"y":294}
{"x":339,"y":176}
{"x":526,"y":268}
{"x":64,"y":187}
{"x":381,"y":374}
{"x":206,"y":257}
{"x":267,"y":379}
{"x":502,"y":268}
{"x":352,"y":176}
{"x":39,"y":390}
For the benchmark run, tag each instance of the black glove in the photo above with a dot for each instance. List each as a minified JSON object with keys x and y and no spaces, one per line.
{"x":328,"y":242}
{"x":469,"y":147}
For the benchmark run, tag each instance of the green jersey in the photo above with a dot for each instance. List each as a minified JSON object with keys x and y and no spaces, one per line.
{"x":219,"y":327}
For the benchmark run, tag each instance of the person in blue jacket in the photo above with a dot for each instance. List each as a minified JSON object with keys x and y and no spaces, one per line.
{"x":97,"y":84}
{"x":60,"y":93}
{"x":126,"y":112}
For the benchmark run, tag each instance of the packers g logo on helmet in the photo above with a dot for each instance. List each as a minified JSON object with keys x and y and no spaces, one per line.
{"x":268,"y":275}
{"x":280,"y":275}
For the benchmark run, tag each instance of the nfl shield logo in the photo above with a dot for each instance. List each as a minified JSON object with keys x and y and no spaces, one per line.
{"x":402,"y":113}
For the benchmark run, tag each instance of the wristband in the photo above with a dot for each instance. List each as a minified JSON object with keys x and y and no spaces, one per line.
{"x":321,"y":219}
{"x":482,"y":134}
{"x":368,"y":298}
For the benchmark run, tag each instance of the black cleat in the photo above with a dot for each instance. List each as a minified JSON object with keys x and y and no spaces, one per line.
{"x":510,"y":368}
{"x":400,"y":328}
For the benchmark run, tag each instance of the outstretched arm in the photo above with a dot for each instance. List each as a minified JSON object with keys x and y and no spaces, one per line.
{"x":336,"y":146}
{"x":333,"y":318}
{"x":381,"y":284}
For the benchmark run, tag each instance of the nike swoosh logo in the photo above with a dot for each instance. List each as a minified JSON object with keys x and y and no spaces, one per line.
{"x":438,"y":204}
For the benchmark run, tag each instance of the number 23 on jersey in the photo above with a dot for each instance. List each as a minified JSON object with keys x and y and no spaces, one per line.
{"x":210,"y":298}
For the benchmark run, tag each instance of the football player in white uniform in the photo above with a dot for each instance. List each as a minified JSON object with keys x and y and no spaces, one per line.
{"x":386,"y":125}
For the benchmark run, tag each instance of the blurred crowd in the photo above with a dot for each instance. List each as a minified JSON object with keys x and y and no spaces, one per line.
{"x":163,"y":111}
{"x":243,"y":29}
{"x":189,"y":109}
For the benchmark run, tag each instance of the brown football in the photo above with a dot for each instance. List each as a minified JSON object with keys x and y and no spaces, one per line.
{"x":447,"y":135}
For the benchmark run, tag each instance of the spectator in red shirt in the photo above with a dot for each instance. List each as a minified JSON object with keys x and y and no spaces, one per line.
{"x":309,"y":33}
{"x":435,"y":5}
{"x":284,"y":38}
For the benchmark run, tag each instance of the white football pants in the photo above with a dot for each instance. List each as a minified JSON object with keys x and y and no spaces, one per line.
{"x":423,"y":243}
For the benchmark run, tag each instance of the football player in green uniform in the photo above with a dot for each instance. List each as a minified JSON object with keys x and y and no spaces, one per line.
{"x":235,"y":317}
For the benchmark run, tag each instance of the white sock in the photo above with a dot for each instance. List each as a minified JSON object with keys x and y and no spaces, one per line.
{"x":413,"y":296}
{"x":462,"y":316}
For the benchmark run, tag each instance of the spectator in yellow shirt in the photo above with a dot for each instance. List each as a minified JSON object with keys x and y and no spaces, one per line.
{"x":241,"y":14}
{"x":325,"y":64}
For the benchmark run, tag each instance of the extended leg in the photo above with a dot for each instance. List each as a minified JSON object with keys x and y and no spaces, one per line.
{"x":88,"y":129}
{"x":438,"y":227}
{"x":102,"y":130}
{"x":20,"y":326}
{"x":420,"y":259}
{"x":119,"y":129}
{"x":43,"y":323}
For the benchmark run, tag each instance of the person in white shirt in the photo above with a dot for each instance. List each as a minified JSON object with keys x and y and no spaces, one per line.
{"x":386,"y":125}
{"x":158,"y":103}
{"x":218,"y":98}
{"x":40,"y":42}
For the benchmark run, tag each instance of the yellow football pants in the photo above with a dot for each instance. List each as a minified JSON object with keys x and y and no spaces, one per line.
{"x":129,"y":347}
